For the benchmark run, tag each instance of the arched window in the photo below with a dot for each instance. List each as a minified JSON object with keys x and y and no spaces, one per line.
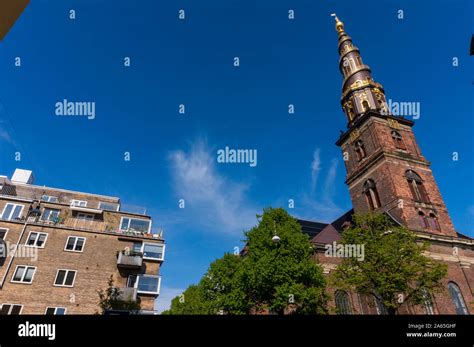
{"x":398,"y":140}
{"x":343,"y":305}
{"x":359,"y":150}
{"x":365,"y":105}
{"x":371,"y":194}
{"x":433,"y":220}
{"x":457,"y":298}
{"x":417,"y":188}
{"x":423,"y":220}
{"x":427,"y":302}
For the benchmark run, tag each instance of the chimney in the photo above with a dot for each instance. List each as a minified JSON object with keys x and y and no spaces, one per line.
{"x":23,"y":176}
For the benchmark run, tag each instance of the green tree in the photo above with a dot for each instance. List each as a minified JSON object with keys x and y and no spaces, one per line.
{"x":277,"y":276}
{"x":222,"y":286}
{"x":110,"y":299}
{"x":394,"y":268}
{"x":282,"y":275}
{"x":191,"y":301}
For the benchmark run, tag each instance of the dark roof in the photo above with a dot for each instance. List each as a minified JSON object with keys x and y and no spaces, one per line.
{"x":346,"y":217}
{"x":462,"y":236}
{"x":311,"y":228}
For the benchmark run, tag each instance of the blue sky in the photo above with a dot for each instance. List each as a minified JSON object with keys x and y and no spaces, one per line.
{"x":190,"y":62}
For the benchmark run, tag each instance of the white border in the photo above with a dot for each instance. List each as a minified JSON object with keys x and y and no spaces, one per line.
{"x":72,"y":250}
{"x":21,"y":282}
{"x":144,"y":292}
{"x":154,"y":244}
{"x":38,"y":232}
{"x":5,"y":207}
{"x":63,"y":285}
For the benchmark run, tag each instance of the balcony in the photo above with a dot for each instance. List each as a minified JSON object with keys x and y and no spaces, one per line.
{"x":129,"y":261}
{"x":128,"y":294}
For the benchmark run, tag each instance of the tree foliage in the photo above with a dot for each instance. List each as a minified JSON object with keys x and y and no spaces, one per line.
{"x":394,"y":268}
{"x":278,"y":277}
{"x":110,"y":299}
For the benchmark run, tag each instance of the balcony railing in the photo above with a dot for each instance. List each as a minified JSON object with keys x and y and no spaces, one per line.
{"x":88,"y":225}
{"x":129,"y":261}
{"x":128,"y":294}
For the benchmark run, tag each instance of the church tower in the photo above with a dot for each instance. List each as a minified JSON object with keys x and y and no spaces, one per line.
{"x":386,"y":171}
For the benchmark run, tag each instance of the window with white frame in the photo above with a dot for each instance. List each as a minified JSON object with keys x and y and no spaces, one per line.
{"x":10,"y":309}
{"x":55,"y":311}
{"x":148,"y":284}
{"x":134,"y":224}
{"x":50,"y":214}
{"x":12,"y":211}
{"x":65,"y":278}
{"x":36,"y":239}
{"x":3,"y":233}
{"x":24,"y":274}
{"x":110,"y":206}
{"x":153,"y":251}
{"x":78,"y":203}
{"x":75,"y":244}
{"x":49,"y":198}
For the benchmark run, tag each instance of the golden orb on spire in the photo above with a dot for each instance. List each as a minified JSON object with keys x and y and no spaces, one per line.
{"x":339,"y":24}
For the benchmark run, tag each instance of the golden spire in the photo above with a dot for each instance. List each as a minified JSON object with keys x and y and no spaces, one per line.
{"x":339,"y":24}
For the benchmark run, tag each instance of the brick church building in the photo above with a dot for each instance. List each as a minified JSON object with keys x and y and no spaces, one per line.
{"x":387,"y":173}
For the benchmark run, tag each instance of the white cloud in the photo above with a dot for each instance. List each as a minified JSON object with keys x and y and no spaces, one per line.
{"x":216,"y":202}
{"x":166,"y":295}
{"x":5,"y":136}
{"x":321,"y":206}
{"x":315,"y":169}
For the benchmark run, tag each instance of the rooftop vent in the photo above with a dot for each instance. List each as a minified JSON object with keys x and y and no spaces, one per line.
{"x":23,"y":176}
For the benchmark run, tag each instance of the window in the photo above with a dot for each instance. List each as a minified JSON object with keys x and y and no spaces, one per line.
{"x":147,"y":284}
{"x":49,"y":198}
{"x":371,"y":194}
{"x":343,"y":305}
{"x":427,"y":302}
{"x":433,"y":221}
{"x":380,"y":307}
{"x":365,"y":106}
{"x":417,"y":188}
{"x":132,"y":224}
{"x":457,"y":298}
{"x":12,"y":212}
{"x":78,"y":203}
{"x":110,"y":206}
{"x":36,"y":239}
{"x":50,"y":214}
{"x":10,"y":309}
{"x":75,"y":244}
{"x":24,"y":274}
{"x":359,"y":150}
{"x":153,"y":251}
{"x":3,"y":233}
{"x":398,"y":140}
{"x":137,"y":247}
{"x":55,"y":311}
{"x":65,"y":278}
{"x":423,"y":220}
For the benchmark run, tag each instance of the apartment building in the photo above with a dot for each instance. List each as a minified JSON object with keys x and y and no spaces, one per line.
{"x":59,"y":247}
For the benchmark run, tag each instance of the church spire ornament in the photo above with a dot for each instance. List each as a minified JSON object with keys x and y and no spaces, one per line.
{"x":360,"y":93}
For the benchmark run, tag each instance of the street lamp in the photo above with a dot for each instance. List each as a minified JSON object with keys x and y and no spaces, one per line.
{"x":275,"y":237}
